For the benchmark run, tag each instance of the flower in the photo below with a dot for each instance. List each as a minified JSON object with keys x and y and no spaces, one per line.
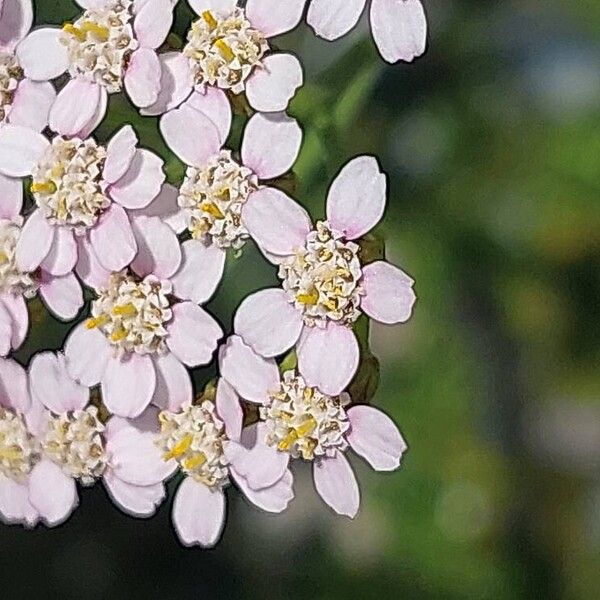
{"x":111,"y":46}
{"x":22,"y":101}
{"x":145,"y":322}
{"x":299,"y":420}
{"x":399,"y":26}
{"x":326,"y":286}
{"x":228,"y":48}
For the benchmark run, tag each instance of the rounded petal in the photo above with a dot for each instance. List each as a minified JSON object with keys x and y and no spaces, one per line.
{"x":41,"y":55}
{"x":35,"y":241}
{"x":268,"y":322}
{"x":277,"y":223}
{"x":389,"y":294}
{"x":63,"y":253}
{"x":198,"y":513}
{"x":119,"y":154}
{"x":20,"y":150}
{"x":165,"y":206}
{"x":88,"y":267}
{"x":229,"y":409}
{"x":274,"y":17}
{"x":15,"y":506}
{"x":336,"y":483}
{"x":357,"y":197}
{"x":273,"y":499}
{"x":193,"y":334}
{"x":62,"y":295}
{"x":76,"y":106}
{"x":5,"y":331}
{"x":221,"y":6}
{"x":31,"y":104}
{"x":328,"y":357}
{"x":97,"y":117}
{"x":213,"y":102}
{"x":271,"y":144}
{"x":14,"y":392}
{"x":153,"y":22}
{"x":159,"y":252}
{"x":11,"y":197}
{"x":173,"y":383}
{"x":200,"y":272}
{"x":331,"y":19}
{"x":16,"y":308}
{"x":270,"y":88}
{"x":113,"y":240}
{"x":87,"y":352}
{"x":135,"y":500}
{"x":142,"y":78}
{"x":15,"y":21}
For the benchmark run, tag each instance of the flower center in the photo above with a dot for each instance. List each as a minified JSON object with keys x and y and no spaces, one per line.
{"x":195,"y":438}
{"x":74,"y":441}
{"x":10,"y":75}
{"x":12,"y":279}
{"x":213,"y":198}
{"x":132,"y":314}
{"x":67,"y":183}
{"x":19,"y":450}
{"x":323,"y":279}
{"x":303,"y":421}
{"x":223,"y":50}
{"x":100,"y":43}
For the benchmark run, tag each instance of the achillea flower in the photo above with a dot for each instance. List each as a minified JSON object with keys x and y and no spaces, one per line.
{"x":299,"y":420}
{"x":325,"y":285}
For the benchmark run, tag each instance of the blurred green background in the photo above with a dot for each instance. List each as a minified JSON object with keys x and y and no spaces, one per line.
{"x":492,"y":145}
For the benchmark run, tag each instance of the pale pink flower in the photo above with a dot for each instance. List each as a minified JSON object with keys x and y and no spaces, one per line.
{"x":325,"y":285}
{"x":145,"y":323}
{"x":22,"y":101}
{"x":399,"y":26}
{"x":228,"y":48}
{"x":111,"y":46}
{"x":300,"y":421}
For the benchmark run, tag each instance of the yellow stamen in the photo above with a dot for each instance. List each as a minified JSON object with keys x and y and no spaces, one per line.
{"x":194,"y":461}
{"x":125,"y":310}
{"x":47,"y":187}
{"x":75,"y":31}
{"x":311,"y":298}
{"x":57,"y":171}
{"x":224,"y":49}
{"x":180,"y":448}
{"x":307,"y":427}
{"x":10,"y":453}
{"x":99,"y":31}
{"x":3,"y":258}
{"x":119,"y":334}
{"x":212,"y":209}
{"x":210,"y":20}
{"x":288,"y":440}
{"x":97,"y":321}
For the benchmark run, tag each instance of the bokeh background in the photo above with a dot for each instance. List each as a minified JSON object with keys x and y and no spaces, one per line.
{"x":492,"y":145}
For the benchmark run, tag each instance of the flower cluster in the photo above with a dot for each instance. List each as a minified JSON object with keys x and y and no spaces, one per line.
{"x":86,"y":216}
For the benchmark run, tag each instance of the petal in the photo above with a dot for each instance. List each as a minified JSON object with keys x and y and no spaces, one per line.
{"x":399,"y":29}
{"x":252,"y":376}
{"x":128,"y":384}
{"x":159,"y":252}
{"x":42,"y":56}
{"x":375,"y":437}
{"x":16,"y":308}
{"x":153,"y":22}
{"x":270,"y":88}
{"x":191,"y":135}
{"x":336,"y":484}
{"x":20,"y":150}
{"x":229,"y":409}
{"x":198,"y":513}
{"x":11,"y":197}
{"x":142,"y":78}
{"x":356,"y":199}
{"x":166,"y":207}
{"x":62,"y":295}
{"x":119,"y":154}
{"x":274,"y":17}
{"x":277,"y":223}
{"x":173,"y":383}
{"x":15,"y":22}
{"x":88,"y":267}
{"x":389,"y":294}
{"x":268,"y":322}
{"x":5,"y":331}
{"x":193,"y":334}
{"x":63,"y":253}
{"x":75,"y":107}
{"x":31,"y":104}
{"x":221,"y":6}
{"x":52,"y":386}
{"x":113,"y":240}
{"x":331,"y":19}
{"x":87,"y":352}
{"x":14,"y":503}
{"x":213,"y":102}
{"x":273,"y":499}
{"x":35,"y":241}
{"x":14,"y":393}
{"x":271,"y":144}
{"x":200,"y":272}
{"x":97,"y":117}
{"x":328,"y":357}
{"x":135,"y":500}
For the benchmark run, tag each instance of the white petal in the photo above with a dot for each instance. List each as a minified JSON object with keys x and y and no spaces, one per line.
{"x":153,"y":22}
{"x":35,"y":241}
{"x":20,"y":150}
{"x":331,"y":19}
{"x":113,"y":240}
{"x":222,"y":7}
{"x":273,"y":499}
{"x":15,"y":21}
{"x":336,"y":484}
{"x":274,"y":17}
{"x":76,"y":106}
{"x":88,"y":267}
{"x":14,"y":392}
{"x":63,"y":296}
{"x":229,"y":409}
{"x":142,"y":78}
{"x":16,"y":307}
{"x":173,"y":383}
{"x":11,"y":197}
{"x":31,"y":104}
{"x":159,"y":252}
{"x":213,"y":102}
{"x":119,"y":154}
{"x":42,"y":56}
{"x":165,"y":206}
{"x":97,"y":117}
{"x":135,"y":500}
{"x":87,"y":352}
{"x":63,"y":253}
{"x":14,"y":503}
{"x":142,"y":181}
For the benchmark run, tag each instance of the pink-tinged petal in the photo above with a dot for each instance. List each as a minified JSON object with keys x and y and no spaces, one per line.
{"x":20,"y":150}
{"x":336,"y":483}
{"x":399,"y":29}
{"x":357,"y":197}
{"x":328,"y":357}
{"x":277,"y":223}
{"x":271,"y":144}
{"x":274,"y":17}
{"x":173,"y":383}
{"x":63,"y":253}
{"x":198,"y":513}
{"x":375,"y":437}
{"x":14,"y":503}
{"x":268,"y":322}
{"x":97,"y":117}
{"x":142,"y":78}
{"x":270,"y":88}
{"x":87,"y":352}
{"x":52,"y":492}
{"x":193,"y":334}
{"x":119,"y":154}
{"x":152,"y":23}
{"x":128,"y":384}
{"x":113,"y":240}
{"x":135,"y":500}
{"x":31,"y":104}
{"x":75,"y":107}
{"x":14,"y":392}
{"x":200,"y":272}
{"x":35,"y":241}
{"x":213,"y":102}
{"x":252,"y":376}
{"x":88,"y":267}
{"x":331,"y":19}
{"x":37,"y":419}
{"x":389,"y":294}
{"x":16,"y":308}
{"x":274,"y":499}
{"x":142,"y":181}
{"x":229,"y":409}
{"x":175,"y":83}
{"x":85,"y":4}
{"x":42,"y":56}
{"x":52,"y":386}
{"x":191,"y":135}
{"x":222,"y":7}
{"x":63,"y":296}
{"x":5,"y":331}
{"x":165,"y":206}
{"x":11,"y":197}
{"x":16,"y":17}
{"x":159,"y":252}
